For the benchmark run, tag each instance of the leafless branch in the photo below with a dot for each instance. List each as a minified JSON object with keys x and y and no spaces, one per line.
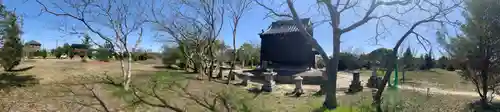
{"x":163,"y":104}
{"x":349,"y":5}
{"x":420,"y":38}
{"x":368,"y":15}
{"x":272,"y":11}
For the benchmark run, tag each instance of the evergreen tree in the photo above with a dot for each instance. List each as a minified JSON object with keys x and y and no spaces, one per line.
{"x":429,"y":61}
{"x":43,"y":53}
{"x":421,"y":62}
{"x":103,"y":54}
{"x":58,"y":52}
{"x":442,"y":62}
{"x":66,"y":48}
{"x":408,"y":59}
{"x":12,"y":49}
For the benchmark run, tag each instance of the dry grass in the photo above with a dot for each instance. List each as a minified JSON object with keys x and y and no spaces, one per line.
{"x":60,"y":86}
{"x":407,"y":101}
{"x":56,"y":85}
{"x":438,"y":78}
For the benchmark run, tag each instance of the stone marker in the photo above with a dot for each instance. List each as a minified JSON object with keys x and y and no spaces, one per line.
{"x":355,"y":83}
{"x":269,"y":81}
{"x":374,"y":79}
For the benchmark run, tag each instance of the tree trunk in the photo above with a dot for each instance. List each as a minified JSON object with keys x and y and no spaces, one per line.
{"x":128,"y":80}
{"x":251,"y":63}
{"x":332,"y":69}
{"x":330,"y":101}
{"x":404,"y":73}
{"x":219,"y":75}
{"x":230,"y":75}
{"x":377,"y":98}
{"x":243,"y":63}
{"x":484,"y":72}
{"x":124,"y":73}
{"x":211,"y":69}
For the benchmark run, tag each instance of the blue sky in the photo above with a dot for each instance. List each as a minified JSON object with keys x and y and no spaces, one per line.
{"x":44,"y":27}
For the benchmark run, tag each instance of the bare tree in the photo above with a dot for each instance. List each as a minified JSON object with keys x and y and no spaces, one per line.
{"x":123,"y":17}
{"x":236,"y":10}
{"x":334,"y":11}
{"x":195,"y":28}
{"x":439,"y":15}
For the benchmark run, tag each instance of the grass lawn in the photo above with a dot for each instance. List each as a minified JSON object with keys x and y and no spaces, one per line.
{"x":410,"y":101}
{"x":405,"y":101}
{"x":433,"y":78}
{"x":72,"y":86}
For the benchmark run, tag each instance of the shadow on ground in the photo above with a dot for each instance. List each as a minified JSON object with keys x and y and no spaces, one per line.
{"x":22,"y":69}
{"x":476,"y":107}
{"x":9,"y":80}
{"x":160,"y":67}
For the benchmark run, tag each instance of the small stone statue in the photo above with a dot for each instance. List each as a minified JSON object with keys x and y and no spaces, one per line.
{"x":298,"y":91}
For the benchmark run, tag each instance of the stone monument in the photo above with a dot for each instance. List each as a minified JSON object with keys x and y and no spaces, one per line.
{"x":298,"y":86}
{"x":355,"y":83}
{"x":374,"y":80}
{"x":269,"y":81}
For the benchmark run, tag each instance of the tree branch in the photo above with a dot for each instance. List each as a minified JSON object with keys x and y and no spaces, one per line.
{"x":272,"y":10}
{"x":367,"y":17}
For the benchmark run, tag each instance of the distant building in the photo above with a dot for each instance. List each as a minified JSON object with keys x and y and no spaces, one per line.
{"x":31,"y":47}
{"x":34,"y":45}
{"x":283,"y":45}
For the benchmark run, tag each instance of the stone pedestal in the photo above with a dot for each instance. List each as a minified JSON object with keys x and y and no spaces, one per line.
{"x":246,"y":78}
{"x":269,"y":81}
{"x":264,"y":65}
{"x":372,"y":82}
{"x":355,"y":83}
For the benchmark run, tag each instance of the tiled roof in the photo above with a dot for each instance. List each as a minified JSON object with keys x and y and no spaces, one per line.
{"x":32,"y":42}
{"x":285,"y":26}
{"x":282,"y":29}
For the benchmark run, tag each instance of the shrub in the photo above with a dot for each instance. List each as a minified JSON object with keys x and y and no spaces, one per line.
{"x":44,"y":55}
{"x":71,"y":54}
{"x":103,"y":55}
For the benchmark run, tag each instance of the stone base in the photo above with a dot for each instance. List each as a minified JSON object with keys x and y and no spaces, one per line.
{"x":355,"y":87}
{"x":267,"y":89}
{"x":373,"y":82}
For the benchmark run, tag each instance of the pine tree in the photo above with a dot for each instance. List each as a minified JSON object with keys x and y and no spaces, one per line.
{"x":442,"y":62}
{"x":408,"y":59}
{"x":429,"y":61}
{"x":12,"y":49}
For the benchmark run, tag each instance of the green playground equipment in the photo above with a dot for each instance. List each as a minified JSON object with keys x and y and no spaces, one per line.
{"x":394,"y":85}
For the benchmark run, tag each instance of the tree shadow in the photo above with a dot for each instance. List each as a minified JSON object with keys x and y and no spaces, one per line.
{"x":22,"y":69}
{"x":160,"y":67}
{"x":476,"y":107}
{"x":8,"y":80}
